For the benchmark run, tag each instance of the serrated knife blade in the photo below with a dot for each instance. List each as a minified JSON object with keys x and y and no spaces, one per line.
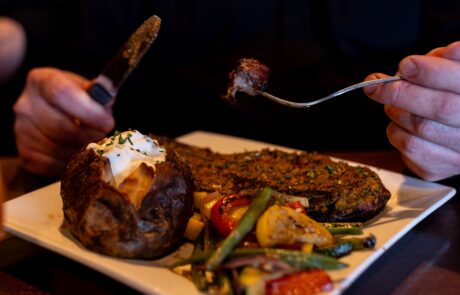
{"x":106,"y":85}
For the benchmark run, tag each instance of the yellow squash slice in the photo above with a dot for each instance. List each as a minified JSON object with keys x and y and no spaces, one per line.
{"x":280,"y":225}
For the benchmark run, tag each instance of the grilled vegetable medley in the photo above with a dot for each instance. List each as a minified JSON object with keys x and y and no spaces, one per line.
{"x":264,"y":242}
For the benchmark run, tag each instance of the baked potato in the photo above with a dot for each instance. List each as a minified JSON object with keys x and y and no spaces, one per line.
{"x":126,"y":196}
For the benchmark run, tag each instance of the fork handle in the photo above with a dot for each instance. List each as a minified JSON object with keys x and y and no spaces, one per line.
{"x":367,"y":83}
{"x":337,"y":93}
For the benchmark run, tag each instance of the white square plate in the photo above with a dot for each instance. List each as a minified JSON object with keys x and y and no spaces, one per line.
{"x":37,"y":217}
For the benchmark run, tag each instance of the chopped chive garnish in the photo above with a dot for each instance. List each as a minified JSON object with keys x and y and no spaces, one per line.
{"x":330,"y":169}
{"x":129,"y":139}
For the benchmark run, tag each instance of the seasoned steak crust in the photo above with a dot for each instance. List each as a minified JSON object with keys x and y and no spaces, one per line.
{"x":336,"y":190}
{"x":250,"y":77}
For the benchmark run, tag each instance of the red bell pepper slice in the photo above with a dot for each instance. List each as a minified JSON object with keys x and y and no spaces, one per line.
{"x":221,"y":218}
{"x":306,"y":282}
{"x":296,"y":205}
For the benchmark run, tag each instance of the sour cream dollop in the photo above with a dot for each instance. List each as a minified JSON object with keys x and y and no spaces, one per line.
{"x":127,"y":150}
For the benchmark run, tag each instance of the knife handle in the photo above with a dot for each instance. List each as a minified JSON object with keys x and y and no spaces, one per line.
{"x":99,"y":93}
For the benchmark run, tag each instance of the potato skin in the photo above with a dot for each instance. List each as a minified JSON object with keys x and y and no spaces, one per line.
{"x":104,"y":220}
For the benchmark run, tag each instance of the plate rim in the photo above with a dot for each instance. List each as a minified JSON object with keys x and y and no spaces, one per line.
{"x":24,"y":233}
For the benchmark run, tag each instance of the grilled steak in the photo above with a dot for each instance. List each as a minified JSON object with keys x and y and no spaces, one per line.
{"x":250,"y":76}
{"x":336,"y":190}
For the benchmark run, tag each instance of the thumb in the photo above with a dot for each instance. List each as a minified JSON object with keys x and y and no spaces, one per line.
{"x":431,"y":72}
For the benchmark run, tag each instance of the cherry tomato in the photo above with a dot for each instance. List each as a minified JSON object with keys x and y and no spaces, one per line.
{"x":305,"y":282}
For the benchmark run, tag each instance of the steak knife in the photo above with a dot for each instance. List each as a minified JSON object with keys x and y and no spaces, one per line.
{"x":106,"y":85}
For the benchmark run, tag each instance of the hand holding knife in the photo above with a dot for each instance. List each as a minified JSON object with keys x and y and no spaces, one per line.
{"x":106,"y":85}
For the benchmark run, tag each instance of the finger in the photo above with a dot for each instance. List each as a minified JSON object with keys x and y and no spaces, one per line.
{"x":37,"y":154}
{"x":436,"y":51}
{"x":40,"y":163}
{"x":48,"y":120}
{"x":432,"y":72}
{"x":81,"y":81}
{"x":28,"y":134}
{"x":452,"y":51}
{"x":431,"y":171}
{"x":51,"y":120}
{"x":428,"y":130}
{"x":40,"y":154}
{"x":64,"y":94}
{"x":428,"y":160}
{"x":429,"y":103}
{"x":51,"y":123}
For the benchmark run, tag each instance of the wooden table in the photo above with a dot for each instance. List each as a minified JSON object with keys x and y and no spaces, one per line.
{"x":425,"y":261}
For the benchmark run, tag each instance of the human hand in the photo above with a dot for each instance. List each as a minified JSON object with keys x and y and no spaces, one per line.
{"x":424,"y":109}
{"x":54,"y":118}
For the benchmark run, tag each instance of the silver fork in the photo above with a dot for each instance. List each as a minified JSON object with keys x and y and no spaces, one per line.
{"x":337,"y":93}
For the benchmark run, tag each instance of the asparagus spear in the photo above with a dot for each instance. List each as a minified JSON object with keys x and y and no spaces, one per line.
{"x":344,"y":228}
{"x":337,"y":250}
{"x":295,"y":258}
{"x":361,"y":243}
{"x":246,"y":224}
{"x":198,"y":275}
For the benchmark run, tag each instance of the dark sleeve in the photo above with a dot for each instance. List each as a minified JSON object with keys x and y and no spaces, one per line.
{"x":441,"y":23}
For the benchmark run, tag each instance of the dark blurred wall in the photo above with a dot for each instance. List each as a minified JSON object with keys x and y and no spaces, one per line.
{"x":312,"y":47}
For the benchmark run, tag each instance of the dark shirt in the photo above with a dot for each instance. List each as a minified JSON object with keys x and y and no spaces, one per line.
{"x":313,"y":48}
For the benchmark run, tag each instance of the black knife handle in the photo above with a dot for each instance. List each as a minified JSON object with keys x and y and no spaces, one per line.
{"x":99,"y":93}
